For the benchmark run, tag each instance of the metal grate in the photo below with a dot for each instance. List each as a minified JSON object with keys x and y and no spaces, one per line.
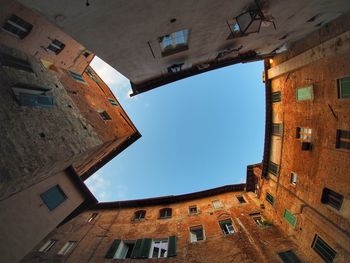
{"x":323,"y":249}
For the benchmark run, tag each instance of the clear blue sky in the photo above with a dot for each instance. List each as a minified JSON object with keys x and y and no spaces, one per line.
{"x":197,"y":133}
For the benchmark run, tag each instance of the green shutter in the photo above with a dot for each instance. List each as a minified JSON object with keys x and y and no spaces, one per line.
{"x":172,"y":246}
{"x":290,"y":218}
{"x":111,"y":251}
{"x":344,"y":85}
{"x":136,"y":252}
{"x":305,"y":93}
{"x":145,"y":247}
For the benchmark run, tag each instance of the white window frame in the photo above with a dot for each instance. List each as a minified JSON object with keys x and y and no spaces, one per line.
{"x":123,"y":249}
{"x":305,"y":134}
{"x":67,"y":248}
{"x":228,"y":228}
{"x":293,"y":178}
{"x":162,"y":242}
{"x":47,"y":246}
{"x":193,"y":235}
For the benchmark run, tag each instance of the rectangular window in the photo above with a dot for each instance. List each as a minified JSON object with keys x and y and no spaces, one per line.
{"x":277,"y":129}
{"x":67,"y":248}
{"x":196,"y":233}
{"x":240,"y":199}
{"x":227,"y":227}
{"x":76,"y":76}
{"x":276,"y":96}
{"x":125,"y":249}
{"x":332,"y":198}
{"x":174,"y":42}
{"x":92,"y":217}
{"x":56,"y":46}
{"x":104,"y":115}
{"x":273,"y":168}
{"x":53,"y":197}
{"x":343,"y":139}
{"x":159,"y":249}
{"x":291,"y":219}
{"x":304,"y":134}
{"x":47,"y":246}
{"x":323,"y":249}
{"x":17,"y":27}
{"x":269,"y":198}
{"x":32,"y":100}
{"x":192,"y":210}
{"x":293,"y":178}
{"x":344,"y":88}
{"x":305,"y":93}
{"x":113,"y":102}
{"x":260,"y":220}
{"x":289,"y":257}
{"x":17,"y":63}
{"x":217,"y":204}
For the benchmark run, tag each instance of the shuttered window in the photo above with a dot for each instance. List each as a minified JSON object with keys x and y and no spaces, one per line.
{"x":14,"y":62}
{"x":323,"y":249}
{"x":305,"y":93}
{"x":277,"y":129}
{"x":269,"y":198}
{"x":53,"y":197}
{"x":343,"y":139}
{"x":344,"y":88}
{"x":56,"y":46}
{"x":17,"y":27}
{"x":273,"y":168}
{"x":291,"y":219}
{"x":227,"y":227}
{"x":289,"y":257}
{"x":332,"y":198}
{"x":77,"y":76}
{"x":113,"y":248}
{"x":32,"y":100}
{"x":276,"y":96}
{"x":139,"y":215}
{"x":172,"y":246}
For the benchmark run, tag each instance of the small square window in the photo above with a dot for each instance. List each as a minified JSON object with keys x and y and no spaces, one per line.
{"x":293,"y":178}
{"x":240,"y":199}
{"x":217,"y":204}
{"x":305,"y":93}
{"x":276,"y":96}
{"x":17,"y":27}
{"x":269,"y":198}
{"x":47,"y":246}
{"x":343,"y":139}
{"x":165,"y":213}
{"x":104,"y":115}
{"x":273,"y":168}
{"x":227,"y":227}
{"x":56,"y":46}
{"x":344,"y":88}
{"x":53,"y":197}
{"x":277,"y":129}
{"x":139,"y":215}
{"x":260,"y":220}
{"x":193,"y":210}
{"x":332,"y":198}
{"x":291,"y":219}
{"x":67,"y":248}
{"x":323,"y":249}
{"x":289,"y":257}
{"x":196,"y":234}
{"x":174,"y":42}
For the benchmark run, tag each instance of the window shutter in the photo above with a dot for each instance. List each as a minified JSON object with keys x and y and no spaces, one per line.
{"x":35,"y":100}
{"x":111,"y":251}
{"x":145,"y":247}
{"x":345,"y":88}
{"x":136,"y":252}
{"x":290,"y":218}
{"x":172,"y":246}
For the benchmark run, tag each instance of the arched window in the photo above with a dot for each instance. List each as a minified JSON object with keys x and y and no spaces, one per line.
{"x":165,"y":213}
{"x":139,"y":215}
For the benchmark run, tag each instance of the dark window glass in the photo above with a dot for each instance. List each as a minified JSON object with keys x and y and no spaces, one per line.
{"x":17,"y":63}
{"x":56,"y":46}
{"x":277,"y":129}
{"x":343,"y":139}
{"x":323,"y":249}
{"x":269,"y":198}
{"x":165,"y":213}
{"x":276,"y":96}
{"x":139,"y":215}
{"x":240,"y":199}
{"x":289,"y":257}
{"x":332,"y":198}
{"x":273,"y":168}
{"x":344,"y":88}
{"x":53,"y":197}
{"x":227,"y":227}
{"x":192,"y":210}
{"x":17,"y":27}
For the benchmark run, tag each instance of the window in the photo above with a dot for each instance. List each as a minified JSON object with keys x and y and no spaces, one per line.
{"x":260,"y":220}
{"x":92,"y":217}
{"x":277,"y":129}
{"x":86,"y":54}
{"x":165,"y":213}
{"x":273,"y":168}
{"x":304,"y":134}
{"x":289,"y":257}
{"x":323,"y":249}
{"x":32,"y":100}
{"x":139,"y":215}
{"x":67,"y":248}
{"x":276,"y":96}
{"x":113,"y":102}
{"x":125,"y":249}
{"x":53,"y":197}
{"x":17,"y":63}
{"x":196,"y":233}
{"x":192,"y":210}
{"x":174,"y":42}
{"x":159,"y":249}
{"x":290,"y":218}
{"x":227,"y":227}
{"x":240,"y":199}
{"x":343,"y":139}
{"x":17,"y":27}
{"x":344,"y":88}
{"x":217,"y":204}
{"x":56,"y":46}
{"x":76,"y":76}
{"x":47,"y":246}
{"x":175,"y":68}
{"x":293,"y":178}
{"x":269,"y":198}
{"x":235,"y":30}
{"x":305,"y":93}
{"x":332,"y":198}
{"x":104,"y":115}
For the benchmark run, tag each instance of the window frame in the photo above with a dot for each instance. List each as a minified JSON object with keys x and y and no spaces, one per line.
{"x":193,"y":234}
{"x":215,"y":206}
{"x":290,"y":218}
{"x":310,"y":89}
{"x":274,"y":98}
{"x":44,"y":197}
{"x":104,"y":115}
{"x":241,"y":199}
{"x":293,"y":178}
{"x":332,"y":198}
{"x":339,"y":85}
{"x":317,"y":244}
{"x":137,"y":215}
{"x":229,"y":231}
{"x":191,"y":212}
{"x":166,"y":213}
{"x":174,"y":47}
{"x":123,"y":244}
{"x":161,"y":241}
{"x":56,"y":46}
{"x":270,"y":198}
{"x":67,"y":248}
{"x":47,"y":246}
{"x":277,"y":129}
{"x":342,"y":142}
{"x":273,"y":165}
{"x":77,"y":77}
{"x":21,"y":30}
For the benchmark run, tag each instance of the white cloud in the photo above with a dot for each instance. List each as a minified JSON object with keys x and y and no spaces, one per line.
{"x":116,"y":81}
{"x":98,"y":186}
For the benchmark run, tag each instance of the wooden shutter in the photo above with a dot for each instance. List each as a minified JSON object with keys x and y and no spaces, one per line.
{"x":290,"y":218}
{"x":344,"y":85}
{"x":145,"y":247}
{"x":111,"y":251}
{"x":172,"y":246}
{"x":136,"y":252}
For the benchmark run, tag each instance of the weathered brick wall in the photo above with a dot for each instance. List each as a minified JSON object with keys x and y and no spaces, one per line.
{"x":249,"y":243}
